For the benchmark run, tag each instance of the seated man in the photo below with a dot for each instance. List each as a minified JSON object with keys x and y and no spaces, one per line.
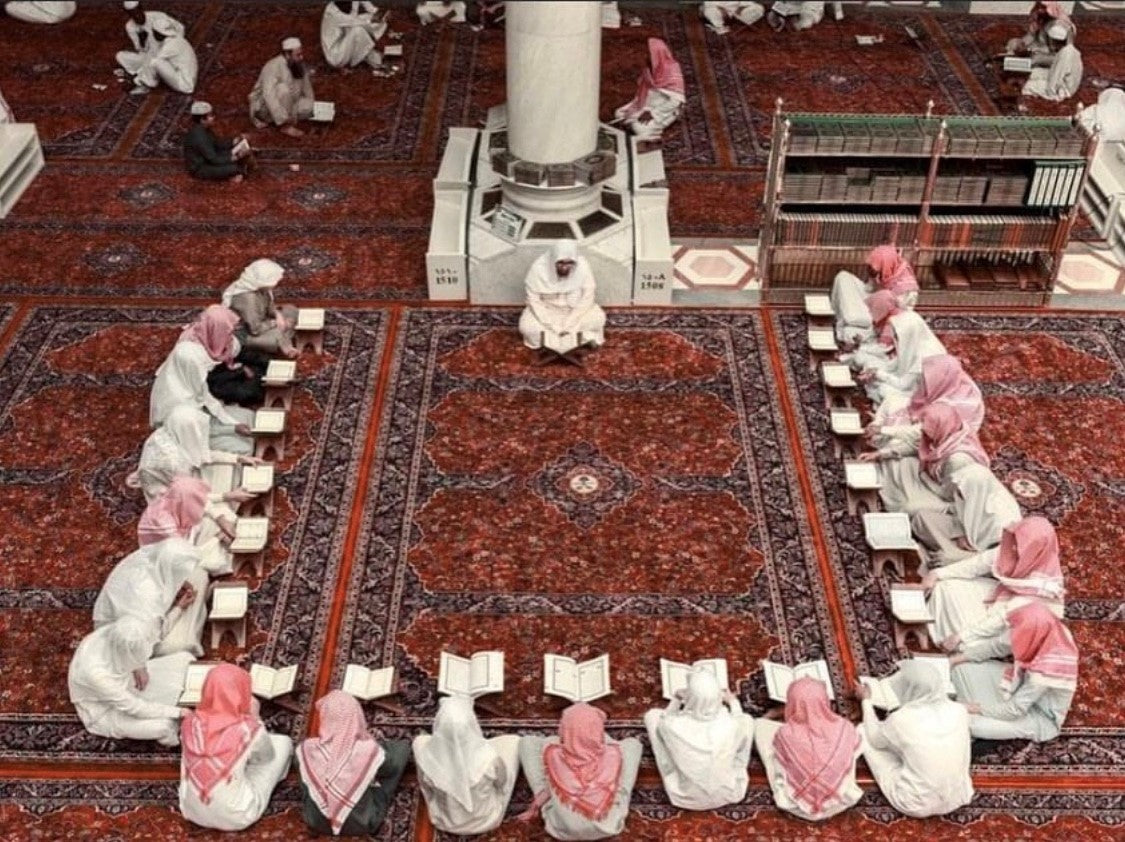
{"x":717,"y":15}
{"x":435,"y":10}
{"x":1061,"y":80}
{"x":1034,"y":41}
{"x":660,"y":95}
{"x":1106,"y":116}
{"x":561,"y":313}
{"x":802,"y":14}
{"x":283,"y":94}
{"x":350,"y":34}
{"x":210,"y":158}
{"x":141,"y":28}
{"x":41,"y":11}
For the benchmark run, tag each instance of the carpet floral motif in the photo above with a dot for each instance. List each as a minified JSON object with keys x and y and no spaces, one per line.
{"x":584,"y":484}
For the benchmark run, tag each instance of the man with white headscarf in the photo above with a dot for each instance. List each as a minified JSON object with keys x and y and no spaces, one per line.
{"x":283,"y":94}
{"x":1107,"y":116}
{"x":350,"y":33}
{"x":718,"y":14}
{"x":561,"y":312}
{"x":982,"y":507}
{"x":701,"y":742}
{"x":913,"y":343}
{"x":919,"y":755}
{"x":156,"y":35}
{"x":162,"y":584}
{"x":1062,"y":78}
{"x":119,"y":691}
{"x":41,"y":11}
{"x":265,"y":327}
{"x":466,"y":780}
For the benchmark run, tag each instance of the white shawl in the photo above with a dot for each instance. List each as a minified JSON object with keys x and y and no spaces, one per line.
{"x":144,"y":584}
{"x":457,"y":756}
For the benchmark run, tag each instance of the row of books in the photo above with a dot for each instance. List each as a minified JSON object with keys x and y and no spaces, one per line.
{"x":991,"y":231}
{"x":844,"y":229}
{"x":1055,"y":184}
{"x":916,"y":136}
{"x":890,"y":188}
{"x":875,"y":186}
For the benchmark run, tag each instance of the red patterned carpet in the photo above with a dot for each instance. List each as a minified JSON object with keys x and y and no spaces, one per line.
{"x":676,"y":495}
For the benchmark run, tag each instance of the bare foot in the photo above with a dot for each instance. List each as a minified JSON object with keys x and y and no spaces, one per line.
{"x":236,"y":179}
{"x":292,"y":131}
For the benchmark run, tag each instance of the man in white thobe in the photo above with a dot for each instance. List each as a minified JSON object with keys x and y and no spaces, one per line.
{"x":41,"y":11}
{"x":717,"y":14}
{"x":141,"y":29}
{"x":283,"y":94}
{"x":802,"y":14}
{"x":350,"y":34}
{"x":561,"y":313}
{"x":435,"y":10}
{"x":1107,"y":116}
{"x":1061,"y":80}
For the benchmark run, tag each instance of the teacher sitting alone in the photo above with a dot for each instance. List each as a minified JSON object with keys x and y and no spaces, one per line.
{"x":561,"y":313}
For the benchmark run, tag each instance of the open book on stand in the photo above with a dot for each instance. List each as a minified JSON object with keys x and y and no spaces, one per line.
{"x":478,"y":675}
{"x":269,"y":683}
{"x":780,"y":676}
{"x":578,"y":682}
{"x":367,"y":684}
{"x":674,"y":675}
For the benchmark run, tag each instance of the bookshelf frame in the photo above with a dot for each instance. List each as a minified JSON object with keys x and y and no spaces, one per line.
{"x":965,"y":271}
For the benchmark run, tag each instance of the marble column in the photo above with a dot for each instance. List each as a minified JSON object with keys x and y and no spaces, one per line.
{"x":553,"y":52}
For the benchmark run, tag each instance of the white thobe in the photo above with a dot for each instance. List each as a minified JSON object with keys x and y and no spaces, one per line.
{"x":140,"y":586}
{"x":108,"y":702}
{"x":663,"y":105}
{"x":41,"y":11}
{"x":724,"y":783}
{"x":6,"y":115}
{"x":981,"y":508}
{"x":717,"y":14}
{"x":433,"y":10}
{"x":278,"y":97}
{"x":808,"y":12}
{"x":182,"y":378}
{"x":1059,"y":81}
{"x":138,"y":61}
{"x":1107,"y":116}
{"x":174,"y":63}
{"x":919,"y":755}
{"x":914,"y":342}
{"x":349,"y":39}
{"x":560,"y":820}
{"x":846,"y":795}
{"x":239,"y":801}
{"x":1035,"y":710}
{"x":489,"y":795}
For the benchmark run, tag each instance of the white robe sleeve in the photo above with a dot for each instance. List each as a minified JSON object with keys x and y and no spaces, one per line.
{"x":111,"y":692}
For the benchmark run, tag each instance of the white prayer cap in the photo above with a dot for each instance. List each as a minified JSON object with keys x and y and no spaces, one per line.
{"x":166,"y":27}
{"x":1058,"y":30}
{"x":291,"y":44}
{"x":199,"y":108}
{"x":130,"y":5}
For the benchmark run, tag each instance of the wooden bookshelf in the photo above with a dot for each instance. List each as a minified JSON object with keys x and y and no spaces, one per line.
{"x":981,"y":206}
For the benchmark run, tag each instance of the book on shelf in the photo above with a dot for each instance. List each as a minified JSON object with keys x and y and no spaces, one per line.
{"x":193,"y":682}
{"x":908,"y":604}
{"x":257,"y":479}
{"x":846,"y":422}
{"x":577,"y":682}
{"x":818,"y":305}
{"x":836,"y":376}
{"x":477,"y":675}
{"x":280,"y":372}
{"x":861,"y":476}
{"x":229,"y":601}
{"x":674,"y":675}
{"x":323,"y":112}
{"x":368,"y":684}
{"x":888,"y":531}
{"x":310,"y":318}
{"x":218,"y":475}
{"x":779,"y":677}
{"x":250,"y":534}
{"x":269,"y":422}
{"x":822,"y":339}
{"x":269,"y":683}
